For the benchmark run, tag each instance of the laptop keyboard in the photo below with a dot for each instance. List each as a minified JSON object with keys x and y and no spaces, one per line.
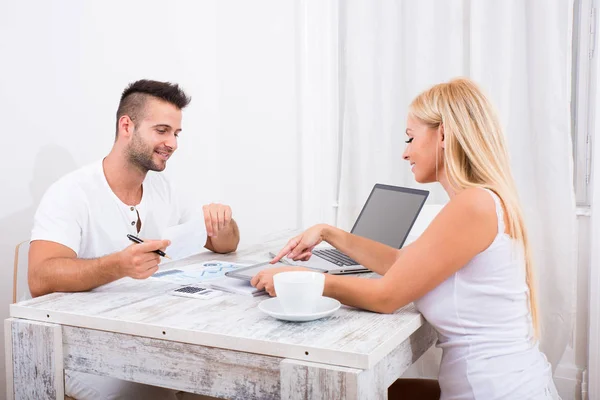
{"x":335,"y":256}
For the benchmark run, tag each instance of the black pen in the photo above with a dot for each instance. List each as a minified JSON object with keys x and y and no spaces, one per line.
{"x":138,"y":240}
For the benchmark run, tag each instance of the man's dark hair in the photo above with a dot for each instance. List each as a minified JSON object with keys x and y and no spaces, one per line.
{"x":133,"y":99}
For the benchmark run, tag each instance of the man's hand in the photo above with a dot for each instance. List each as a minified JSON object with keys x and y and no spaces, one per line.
{"x":139,"y":261}
{"x":216,"y":218}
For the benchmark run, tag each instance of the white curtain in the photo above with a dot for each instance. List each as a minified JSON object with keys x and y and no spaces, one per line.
{"x":519,"y":52}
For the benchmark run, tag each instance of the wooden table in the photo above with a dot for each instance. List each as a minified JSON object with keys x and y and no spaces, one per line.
{"x":223,"y":347}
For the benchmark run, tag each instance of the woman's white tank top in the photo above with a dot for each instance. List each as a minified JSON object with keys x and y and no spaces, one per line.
{"x":482,"y":317}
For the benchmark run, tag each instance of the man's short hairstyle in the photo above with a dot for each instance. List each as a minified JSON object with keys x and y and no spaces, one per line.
{"x":133,"y":99}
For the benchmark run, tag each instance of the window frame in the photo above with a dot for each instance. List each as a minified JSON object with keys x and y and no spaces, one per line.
{"x":583,"y":83}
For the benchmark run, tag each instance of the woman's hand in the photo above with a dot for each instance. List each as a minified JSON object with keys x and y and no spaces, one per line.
{"x":300,"y":247}
{"x":264,"y":279}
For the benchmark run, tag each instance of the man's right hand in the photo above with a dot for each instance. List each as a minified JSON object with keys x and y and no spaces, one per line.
{"x":139,"y":261}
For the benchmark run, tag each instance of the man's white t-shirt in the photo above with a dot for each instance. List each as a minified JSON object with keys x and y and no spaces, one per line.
{"x":82,"y":212}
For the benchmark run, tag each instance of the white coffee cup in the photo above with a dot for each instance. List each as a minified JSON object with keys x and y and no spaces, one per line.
{"x":299,"y":291}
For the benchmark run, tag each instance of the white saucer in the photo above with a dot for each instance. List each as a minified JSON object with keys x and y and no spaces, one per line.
{"x":325,"y":307}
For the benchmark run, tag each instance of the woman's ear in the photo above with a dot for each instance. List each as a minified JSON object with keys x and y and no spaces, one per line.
{"x":442,"y":136}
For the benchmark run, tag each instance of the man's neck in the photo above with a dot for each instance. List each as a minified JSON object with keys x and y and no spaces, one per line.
{"x":124,"y":179}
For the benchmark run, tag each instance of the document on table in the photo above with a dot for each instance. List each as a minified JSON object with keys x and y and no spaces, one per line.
{"x":198,"y":273}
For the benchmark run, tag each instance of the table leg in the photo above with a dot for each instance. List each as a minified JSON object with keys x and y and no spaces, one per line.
{"x":308,"y":380}
{"x":37,"y":359}
{"x":8,"y":359}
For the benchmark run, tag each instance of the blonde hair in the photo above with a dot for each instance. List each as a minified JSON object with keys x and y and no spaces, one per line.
{"x":475,"y":154}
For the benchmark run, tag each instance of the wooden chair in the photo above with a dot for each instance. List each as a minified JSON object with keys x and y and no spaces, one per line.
{"x":20,"y":283}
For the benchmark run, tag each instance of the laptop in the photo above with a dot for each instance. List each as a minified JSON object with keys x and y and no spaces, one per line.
{"x":387,"y":217}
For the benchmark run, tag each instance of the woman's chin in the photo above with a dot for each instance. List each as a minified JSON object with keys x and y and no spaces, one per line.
{"x":424,"y":179}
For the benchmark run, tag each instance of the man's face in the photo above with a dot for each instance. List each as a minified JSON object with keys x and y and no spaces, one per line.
{"x":155,"y":135}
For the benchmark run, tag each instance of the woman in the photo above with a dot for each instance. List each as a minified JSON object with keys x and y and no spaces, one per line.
{"x":470,"y":273}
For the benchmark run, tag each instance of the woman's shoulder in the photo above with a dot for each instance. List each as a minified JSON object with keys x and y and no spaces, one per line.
{"x":469,"y":222}
{"x":475,"y":201}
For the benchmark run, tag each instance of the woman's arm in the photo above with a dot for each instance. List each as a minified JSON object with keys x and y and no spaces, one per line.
{"x":375,"y":256}
{"x":463,"y":229}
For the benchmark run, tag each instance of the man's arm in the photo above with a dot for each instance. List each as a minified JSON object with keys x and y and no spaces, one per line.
{"x":226,"y":241}
{"x":54,"y":267}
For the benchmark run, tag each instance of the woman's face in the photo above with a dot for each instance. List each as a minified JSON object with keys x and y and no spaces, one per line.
{"x":420,"y":151}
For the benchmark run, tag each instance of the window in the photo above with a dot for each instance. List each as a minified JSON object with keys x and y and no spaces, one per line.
{"x":582,"y":95}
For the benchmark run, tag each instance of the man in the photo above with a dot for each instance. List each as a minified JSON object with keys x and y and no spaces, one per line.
{"x":79,"y":238}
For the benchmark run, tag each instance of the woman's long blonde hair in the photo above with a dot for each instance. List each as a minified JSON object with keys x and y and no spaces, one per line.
{"x":475,"y":154}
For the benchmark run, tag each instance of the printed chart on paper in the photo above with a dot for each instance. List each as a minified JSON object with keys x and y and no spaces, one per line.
{"x":197,"y":273}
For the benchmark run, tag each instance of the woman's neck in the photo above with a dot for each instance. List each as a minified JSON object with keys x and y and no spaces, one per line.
{"x":445,"y":182}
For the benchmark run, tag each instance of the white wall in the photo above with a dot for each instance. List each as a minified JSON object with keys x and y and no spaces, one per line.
{"x":63,"y":65}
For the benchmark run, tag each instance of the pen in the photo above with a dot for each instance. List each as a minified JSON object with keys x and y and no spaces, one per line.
{"x":138,"y":240}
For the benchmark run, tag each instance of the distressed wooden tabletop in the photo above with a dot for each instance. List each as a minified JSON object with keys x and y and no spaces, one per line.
{"x":350,"y":337}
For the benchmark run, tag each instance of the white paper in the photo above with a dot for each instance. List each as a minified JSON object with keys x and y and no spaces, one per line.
{"x":186,"y":239}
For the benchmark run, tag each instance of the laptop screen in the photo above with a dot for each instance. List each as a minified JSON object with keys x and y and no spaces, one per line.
{"x":389,"y":214}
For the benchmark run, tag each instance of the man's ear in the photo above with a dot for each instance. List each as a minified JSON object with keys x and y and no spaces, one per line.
{"x":126,"y":126}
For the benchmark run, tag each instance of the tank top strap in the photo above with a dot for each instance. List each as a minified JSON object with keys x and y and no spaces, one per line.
{"x":499,"y":210}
